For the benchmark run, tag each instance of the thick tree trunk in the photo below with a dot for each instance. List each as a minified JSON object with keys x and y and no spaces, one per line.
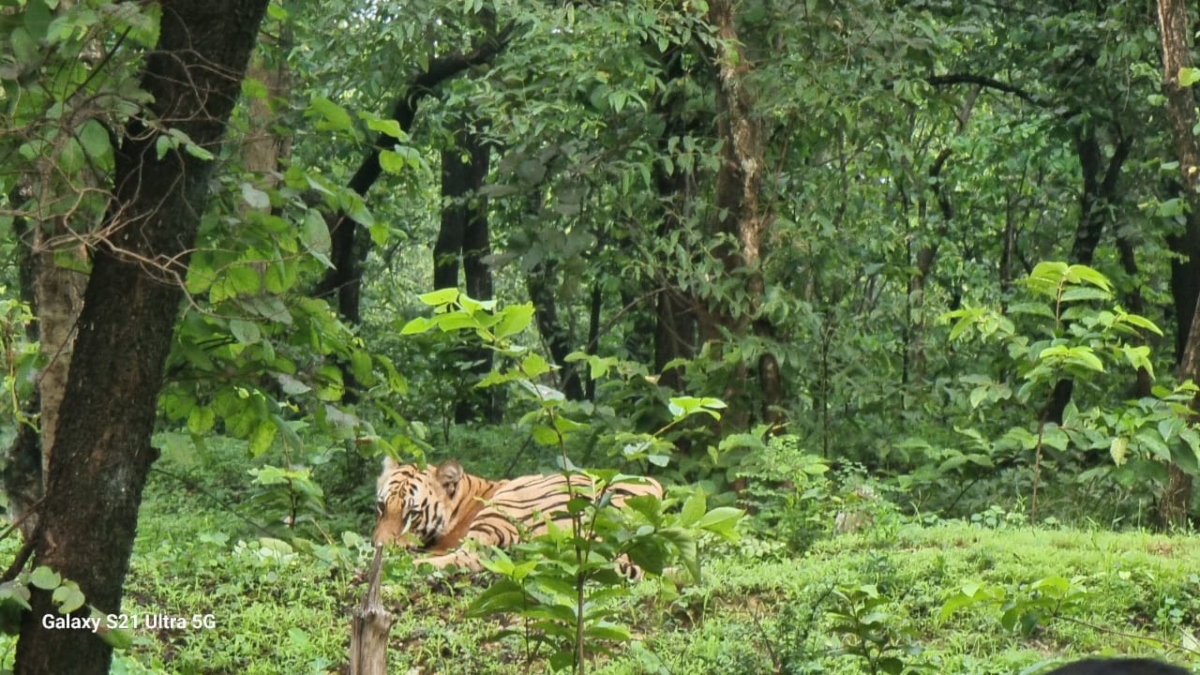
{"x":744,"y":220}
{"x":103,"y":452}
{"x":1181,"y":113}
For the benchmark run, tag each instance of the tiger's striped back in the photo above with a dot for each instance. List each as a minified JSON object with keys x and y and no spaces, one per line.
{"x":529,"y":502}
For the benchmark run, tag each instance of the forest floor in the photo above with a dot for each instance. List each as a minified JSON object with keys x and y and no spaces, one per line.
{"x":860,"y":602}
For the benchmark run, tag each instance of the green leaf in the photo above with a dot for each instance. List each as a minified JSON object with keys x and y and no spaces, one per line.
{"x":544,"y":435}
{"x":1118,"y":449}
{"x":245,"y":332}
{"x":117,"y":638}
{"x":513,"y":320}
{"x":255,"y":198}
{"x":200,"y":420}
{"x":1078,"y":273}
{"x":333,"y":116}
{"x":386,"y":127}
{"x":1084,"y":293}
{"x":261,"y":439}
{"x":534,"y":366}
{"x":391,"y":162}
{"x":314,"y":234}
{"x":1188,"y":76}
{"x":721,"y":520}
{"x":94,"y":138}
{"x":45,"y":578}
{"x":443,"y":296}
{"x":418,"y":325}
{"x":693,"y":509}
{"x":68,"y":597}
{"x":243,"y":279}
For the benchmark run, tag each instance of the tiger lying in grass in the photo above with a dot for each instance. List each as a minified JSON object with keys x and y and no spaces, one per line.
{"x":437,"y":509}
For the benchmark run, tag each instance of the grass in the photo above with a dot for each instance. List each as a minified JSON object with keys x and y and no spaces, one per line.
{"x":279,"y":605}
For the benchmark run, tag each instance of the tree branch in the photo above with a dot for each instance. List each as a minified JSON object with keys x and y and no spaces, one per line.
{"x":983,"y":81}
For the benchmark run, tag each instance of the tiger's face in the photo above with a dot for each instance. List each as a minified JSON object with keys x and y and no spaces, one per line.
{"x":413,"y":505}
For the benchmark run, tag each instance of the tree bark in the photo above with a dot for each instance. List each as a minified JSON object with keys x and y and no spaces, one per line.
{"x":1181,"y":114}
{"x":744,"y":220}
{"x":674,"y":322}
{"x":541,"y":283}
{"x":349,"y":248}
{"x":1099,"y":193}
{"x":464,"y":234}
{"x":103,"y":452}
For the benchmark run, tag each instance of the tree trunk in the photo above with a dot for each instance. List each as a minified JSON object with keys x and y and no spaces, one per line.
{"x":541,"y":283}
{"x":674,"y":321}
{"x":1181,"y":114}
{"x":1094,"y":201}
{"x":464,"y":234}
{"x":348,"y":248}
{"x":739,"y":181}
{"x":103,"y":451}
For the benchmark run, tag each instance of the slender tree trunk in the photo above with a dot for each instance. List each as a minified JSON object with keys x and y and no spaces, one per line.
{"x":464,"y":234}
{"x":349,"y":248}
{"x":132,"y":301}
{"x":1181,"y":114}
{"x":674,"y":320}
{"x":541,"y":283}
{"x":1098,"y":195}
{"x":1136,"y":305}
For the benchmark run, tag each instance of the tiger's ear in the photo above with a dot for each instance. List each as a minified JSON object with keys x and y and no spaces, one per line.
{"x":449,"y":474}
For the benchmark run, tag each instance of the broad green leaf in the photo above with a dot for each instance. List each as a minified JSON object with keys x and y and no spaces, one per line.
{"x":314,"y":234}
{"x":513,"y":320}
{"x":545,"y":435}
{"x":1118,"y":449}
{"x":443,"y":296}
{"x":255,"y":198}
{"x":1076,"y":273}
{"x":45,"y":578}
{"x":1084,"y":293}
{"x":200,"y":420}
{"x":391,"y":162}
{"x":693,"y":509}
{"x":261,"y":439}
{"x":418,"y":325}
{"x":720,"y":520}
{"x":68,"y":597}
{"x":1188,"y":76}
{"x":534,"y":366}
{"x":245,"y":332}
{"x":386,"y":127}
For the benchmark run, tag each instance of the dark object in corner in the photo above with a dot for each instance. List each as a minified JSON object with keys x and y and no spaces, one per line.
{"x":1118,"y":667}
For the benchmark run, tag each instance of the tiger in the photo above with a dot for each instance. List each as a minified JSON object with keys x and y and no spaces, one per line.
{"x":436,"y":509}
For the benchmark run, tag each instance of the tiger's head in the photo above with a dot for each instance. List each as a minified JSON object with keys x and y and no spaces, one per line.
{"x":413,"y":506}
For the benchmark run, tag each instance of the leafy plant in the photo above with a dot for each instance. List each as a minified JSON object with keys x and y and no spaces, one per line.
{"x":785,"y":488}
{"x":1022,"y":606}
{"x":563,"y":584}
{"x":882,"y":640}
{"x":1067,"y":338}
